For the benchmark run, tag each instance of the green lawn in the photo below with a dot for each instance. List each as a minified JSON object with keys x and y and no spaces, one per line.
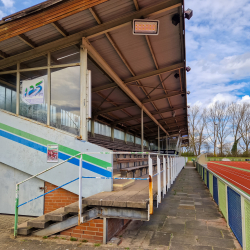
{"x":220,"y":158}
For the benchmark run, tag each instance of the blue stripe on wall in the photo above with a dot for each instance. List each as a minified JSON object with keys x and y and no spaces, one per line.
{"x":61,"y":156}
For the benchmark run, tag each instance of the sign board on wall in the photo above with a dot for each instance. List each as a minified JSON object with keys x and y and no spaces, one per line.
{"x":52,"y":153}
{"x":33,"y":91}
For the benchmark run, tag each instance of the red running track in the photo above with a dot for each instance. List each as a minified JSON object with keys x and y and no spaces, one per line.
{"x":237,"y":177}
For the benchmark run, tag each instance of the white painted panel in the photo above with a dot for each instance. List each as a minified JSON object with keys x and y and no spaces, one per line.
{"x":33,"y":161}
{"x":29,"y":190}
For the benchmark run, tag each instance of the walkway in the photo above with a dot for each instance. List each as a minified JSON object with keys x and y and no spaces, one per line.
{"x":187,"y":219}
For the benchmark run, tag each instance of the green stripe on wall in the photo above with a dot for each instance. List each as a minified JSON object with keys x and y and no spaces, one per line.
{"x":222,"y":198}
{"x":211,"y":183}
{"x":247,"y":223}
{"x":61,"y":148}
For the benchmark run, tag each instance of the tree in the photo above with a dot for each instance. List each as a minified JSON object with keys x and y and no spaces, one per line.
{"x":244,"y":129}
{"x":197,"y":123}
{"x":218,"y":124}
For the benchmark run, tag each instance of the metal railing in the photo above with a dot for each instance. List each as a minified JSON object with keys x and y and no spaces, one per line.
{"x":171,"y":167}
{"x":232,"y":201}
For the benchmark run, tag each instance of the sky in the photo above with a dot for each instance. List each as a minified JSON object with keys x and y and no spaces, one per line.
{"x":217,"y":48}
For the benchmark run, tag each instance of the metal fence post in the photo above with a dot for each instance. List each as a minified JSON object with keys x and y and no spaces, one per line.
{"x":80,"y":192}
{"x":159,"y":179}
{"x":16,"y":211}
{"x":172,"y":175}
{"x":168,"y":172}
{"x":164,"y":176}
{"x":150,"y":173}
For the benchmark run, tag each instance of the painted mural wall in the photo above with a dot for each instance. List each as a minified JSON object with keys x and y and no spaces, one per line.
{"x":23,"y":146}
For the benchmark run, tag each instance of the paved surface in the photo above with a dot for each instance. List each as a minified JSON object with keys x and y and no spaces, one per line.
{"x":186,"y":219}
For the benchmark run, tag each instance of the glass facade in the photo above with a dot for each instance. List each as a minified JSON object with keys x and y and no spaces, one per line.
{"x":37,"y":112}
{"x":63,"y":94}
{"x":65,"y":99}
{"x":8,"y":92}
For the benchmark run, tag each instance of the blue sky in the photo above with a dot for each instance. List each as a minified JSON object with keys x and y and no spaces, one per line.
{"x":217,"y":48}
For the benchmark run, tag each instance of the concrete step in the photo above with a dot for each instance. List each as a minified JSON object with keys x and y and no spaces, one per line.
{"x":57,"y":215}
{"x":119,"y":185}
{"x":73,"y":208}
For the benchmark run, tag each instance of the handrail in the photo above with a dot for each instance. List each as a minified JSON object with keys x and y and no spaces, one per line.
{"x":174,"y":173}
{"x":18,"y":184}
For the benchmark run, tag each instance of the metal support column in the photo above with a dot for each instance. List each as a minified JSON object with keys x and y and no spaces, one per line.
{"x":142,"y":138}
{"x":158,"y":180}
{"x":80,"y":193}
{"x":48,"y":88}
{"x":159,"y":139}
{"x":164,"y":176}
{"x":92,"y":128}
{"x":104,"y":230}
{"x":17,"y":88}
{"x":150,"y":175}
{"x":83,"y":96}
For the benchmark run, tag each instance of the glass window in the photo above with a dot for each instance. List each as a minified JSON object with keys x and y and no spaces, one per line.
{"x":65,"y":99}
{"x":102,"y":129}
{"x":64,"y":56}
{"x":119,"y":134}
{"x":34,"y":84}
{"x":138,"y":140}
{"x":8,"y":92}
{"x":130,"y":138}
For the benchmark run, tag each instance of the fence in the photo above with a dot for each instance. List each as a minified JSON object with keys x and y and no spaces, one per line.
{"x":168,"y":168}
{"x":233,"y":203}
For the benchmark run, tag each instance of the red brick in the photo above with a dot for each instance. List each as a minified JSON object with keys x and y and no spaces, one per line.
{"x":99,"y":234}
{"x":99,"y":225}
{"x":89,"y":233}
{"x":77,"y":231}
{"x":98,"y":220}
{"x":94,"y":229}
{"x":76,"y":235}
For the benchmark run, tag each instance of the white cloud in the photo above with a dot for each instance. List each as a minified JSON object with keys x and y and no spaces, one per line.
{"x":218,"y":51}
{"x":8,"y":3}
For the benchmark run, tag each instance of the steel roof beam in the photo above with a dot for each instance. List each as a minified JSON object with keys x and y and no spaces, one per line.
{"x":26,"y":40}
{"x":60,"y":29}
{"x":155,"y":72}
{"x":91,"y":32}
{"x":161,"y":120}
{"x":159,"y":97}
{"x":95,"y":55}
{"x":3,"y":55}
{"x":153,"y":113}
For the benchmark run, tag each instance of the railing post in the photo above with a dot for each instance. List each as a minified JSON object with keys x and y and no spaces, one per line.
{"x":16,"y":211}
{"x":164,"y":176}
{"x":80,"y":192}
{"x":159,"y":179}
{"x":150,"y":173}
{"x":168,"y":172}
{"x":172,"y":175}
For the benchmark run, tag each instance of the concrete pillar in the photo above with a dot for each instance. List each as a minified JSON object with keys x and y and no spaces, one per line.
{"x":142,"y":137}
{"x":83,"y":94}
{"x":112,"y":133}
{"x":92,"y":128}
{"x":159,"y":139}
{"x":125,"y":136}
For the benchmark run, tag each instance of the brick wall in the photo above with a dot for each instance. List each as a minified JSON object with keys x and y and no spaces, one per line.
{"x":91,"y":231}
{"x":58,"y":198}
